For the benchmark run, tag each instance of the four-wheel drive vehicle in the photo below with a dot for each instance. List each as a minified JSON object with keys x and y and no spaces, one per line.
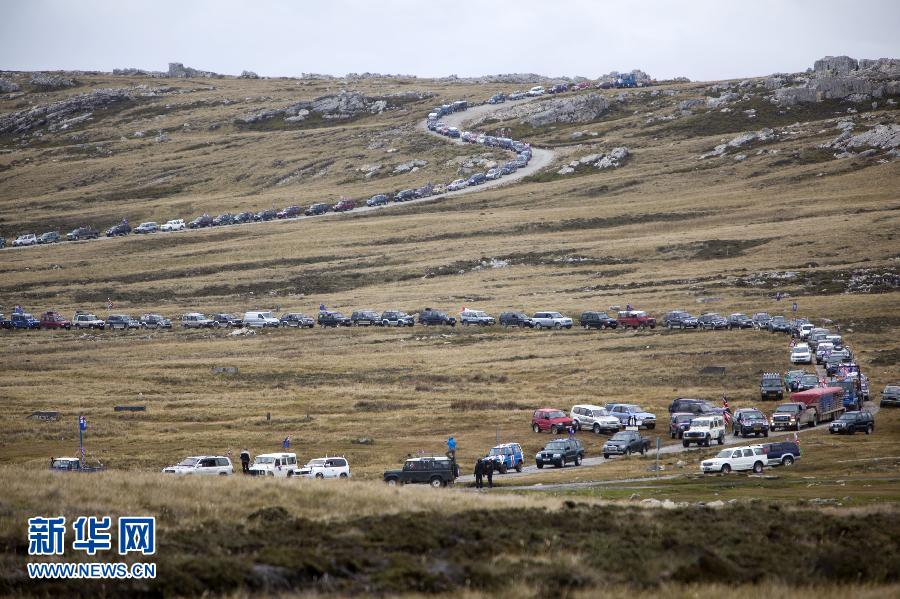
{"x":778,"y":324}
{"x":344,"y":206}
{"x":176,"y":224}
{"x":395,"y":318}
{"x":325,"y":468}
{"x":23,"y":240}
{"x":808,"y":381}
{"x":405,"y":195}
{"x":781,"y":453}
{"x":290,"y":212}
{"x":458,"y":184}
{"x":82,"y":233}
{"x":155,"y":321}
{"x":377,"y":200}
{"x":636,"y":319}
{"x":712,"y":322}
{"x":223,"y":220}
{"x":739,"y":321}
{"x":73,"y":465}
{"x":121,"y":321}
{"x":761,"y":320}
{"x":333,"y":319}
{"x":297,"y":319}
{"x":703,"y":430}
{"x":678,"y":319}
{"x":680,"y":422}
{"x":280,"y":465}
{"x":801,"y":354}
{"x":54,"y":320}
{"x":792,"y":379}
{"x":226,"y":320}
{"x":208,"y":465}
{"x":594,"y":418}
{"x":597,"y":320}
{"x":49,"y":237}
{"x":694,"y":406}
{"x":123,"y":228}
{"x":770,"y":386}
{"x":749,"y":421}
{"x":467,"y":317}
{"x":625,"y":443}
{"x":149,"y":227}
{"x":365,"y":318}
{"x":551,"y":320}
{"x":266,"y":215}
{"x":201,"y":222}
{"x":853,"y":422}
{"x":560,"y":452}
{"x":791,"y":416}
{"x":505,"y":457}
{"x":434,"y":471}
{"x":741,"y":458}
{"x":84,"y":320}
{"x":24,"y":320}
{"x":195,"y":320}
{"x":890,"y":396}
{"x":516,"y":319}
{"x":550,"y":419}
{"x":630,"y":412}
{"x":316,"y":209}
{"x":432,"y":317}
{"x":260,"y":320}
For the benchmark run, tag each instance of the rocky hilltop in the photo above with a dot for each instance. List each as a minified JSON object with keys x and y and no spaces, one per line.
{"x":840,"y":78}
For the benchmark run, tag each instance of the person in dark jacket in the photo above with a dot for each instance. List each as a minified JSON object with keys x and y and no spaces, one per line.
{"x":479,"y":471}
{"x":489,"y":470}
{"x":245,"y":461}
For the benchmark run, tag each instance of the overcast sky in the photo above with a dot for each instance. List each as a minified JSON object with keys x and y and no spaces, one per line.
{"x":700,"y":39}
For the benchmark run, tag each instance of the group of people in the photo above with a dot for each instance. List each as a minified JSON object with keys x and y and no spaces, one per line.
{"x":484,"y":467}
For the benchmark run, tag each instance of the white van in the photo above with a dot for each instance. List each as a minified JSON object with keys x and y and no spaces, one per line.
{"x":260,"y":320}
{"x":281,"y":465}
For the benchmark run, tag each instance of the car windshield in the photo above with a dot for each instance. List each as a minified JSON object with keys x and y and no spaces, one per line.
{"x":264,"y":460}
{"x":555,"y":414}
{"x":189,"y":462}
{"x":556,"y":445}
{"x":788,"y":408}
{"x":699,"y":422}
{"x":315,"y":463}
{"x":752,"y":417}
{"x":725,"y":453}
{"x":848,"y":417}
{"x":621,"y":437}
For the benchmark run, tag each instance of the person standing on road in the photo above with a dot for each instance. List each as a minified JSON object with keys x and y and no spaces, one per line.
{"x":245,"y":461}
{"x":489,"y":470}
{"x":479,"y":471}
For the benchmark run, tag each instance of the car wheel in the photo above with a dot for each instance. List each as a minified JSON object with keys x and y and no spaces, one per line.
{"x":436,"y":482}
{"x":502,"y":468}
{"x":535,"y":428}
{"x":217,"y":324}
{"x":578,"y":460}
{"x":320,"y":475}
{"x":758,"y":468}
{"x":519,"y":467}
{"x":726,"y":468}
{"x":722,"y":439}
{"x":735,"y":432}
{"x":540,"y":465}
{"x":707,"y":441}
{"x":787,"y":460}
{"x":392,"y":482}
{"x":765,"y":433}
{"x":557,"y":326}
{"x":643,"y":449}
{"x":627,"y":451}
{"x":605,"y":456}
{"x":538,"y":326}
{"x":596,"y":429}
{"x":869,"y":430}
{"x":685,"y":443}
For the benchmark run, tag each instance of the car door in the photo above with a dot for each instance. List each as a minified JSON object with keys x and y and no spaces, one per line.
{"x":208,"y":466}
{"x":747,"y":459}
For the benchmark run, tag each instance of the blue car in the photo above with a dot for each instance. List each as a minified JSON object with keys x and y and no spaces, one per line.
{"x":23,"y":320}
{"x":506,"y":457}
{"x":630,"y":413}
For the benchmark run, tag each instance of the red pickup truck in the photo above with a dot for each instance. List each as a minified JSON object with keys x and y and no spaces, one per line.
{"x":636,"y":319}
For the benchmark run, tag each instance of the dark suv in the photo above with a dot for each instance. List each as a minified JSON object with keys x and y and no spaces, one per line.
{"x":761,"y":320}
{"x":770,"y":386}
{"x":597,"y":320}
{"x":516,"y":319}
{"x":265,"y":215}
{"x":853,"y":422}
{"x":365,"y":318}
{"x":778,"y":324}
{"x":679,"y":422}
{"x":296,"y":319}
{"x":560,"y":452}
{"x":430,"y":317}
{"x":712,"y":322}
{"x":749,"y":421}
{"x":226,"y":320}
{"x":678,"y":319}
{"x":783,"y":453}
{"x":333,"y":319}
{"x":739,"y":321}
{"x":434,"y":471}
{"x":82,"y":233}
{"x":694,"y":406}
{"x":290,"y":212}
{"x":316,"y":209}
{"x":123,"y":228}
{"x":201,"y":222}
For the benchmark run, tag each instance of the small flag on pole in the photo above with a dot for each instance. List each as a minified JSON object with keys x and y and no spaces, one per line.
{"x":82,"y":423}
{"x":727,"y":413}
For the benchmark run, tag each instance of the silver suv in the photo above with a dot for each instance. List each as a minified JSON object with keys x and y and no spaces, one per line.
{"x":551,"y":320}
{"x":467,"y":317}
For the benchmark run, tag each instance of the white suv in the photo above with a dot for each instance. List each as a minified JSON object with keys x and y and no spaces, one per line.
{"x":281,"y":465}
{"x":216,"y":465}
{"x":22,"y":240}
{"x":172,"y":225}
{"x":551,"y":320}
{"x":595,"y":418}
{"x":801,"y":354}
{"x":261,"y":320}
{"x":740,"y":458}
{"x":326,"y":468}
{"x":703,"y":430}
{"x":87,"y":321}
{"x":537,"y":90}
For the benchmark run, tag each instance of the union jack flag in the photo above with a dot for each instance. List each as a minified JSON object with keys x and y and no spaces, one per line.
{"x":727,"y":413}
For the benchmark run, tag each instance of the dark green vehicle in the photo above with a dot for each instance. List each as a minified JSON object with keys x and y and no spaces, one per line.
{"x":434,"y":471}
{"x":771,"y":386}
{"x":560,"y":452}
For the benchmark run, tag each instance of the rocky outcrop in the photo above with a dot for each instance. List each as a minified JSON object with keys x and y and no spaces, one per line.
{"x":55,"y":116}
{"x":8,"y":87}
{"x":844,"y":78}
{"x":248,"y":75}
{"x":721,"y":100}
{"x":46,"y":81}
{"x":131,"y":72}
{"x":409,"y":167}
{"x":179,"y":71}
{"x":614,"y":159}
{"x":344,"y":105}
{"x":571,"y":109}
{"x":691,"y":103}
{"x":740,"y":141}
{"x":879,"y":137}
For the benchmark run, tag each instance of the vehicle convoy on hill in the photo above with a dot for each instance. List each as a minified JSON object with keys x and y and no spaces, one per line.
{"x":86,"y":320}
{"x":632,"y":415}
{"x":429,"y":316}
{"x":476,"y":317}
{"x":54,"y":320}
{"x":594,"y":418}
{"x":853,"y":422}
{"x":333,"y":467}
{"x":202,"y":465}
{"x":749,"y":421}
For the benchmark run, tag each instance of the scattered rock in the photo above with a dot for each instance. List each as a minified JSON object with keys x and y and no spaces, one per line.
{"x":691,"y":103}
{"x":634,"y":497}
{"x":162,"y":137}
{"x":54,"y":114}
{"x":8,"y":87}
{"x":363,"y":441}
{"x":46,"y":81}
{"x":411,"y":166}
{"x":248,"y":75}
{"x":718,"y":504}
{"x":722,"y":100}
{"x":570,"y":109}
{"x":179,"y":71}
{"x":242,"y":331}
{"x":369,"y":170}
{"x":566,"y":170}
